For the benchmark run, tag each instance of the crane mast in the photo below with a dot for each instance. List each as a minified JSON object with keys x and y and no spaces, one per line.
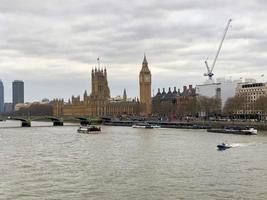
{"x":210,"y":70}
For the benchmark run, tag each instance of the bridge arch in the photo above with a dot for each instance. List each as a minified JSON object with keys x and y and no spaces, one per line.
{"x":24,"y":122}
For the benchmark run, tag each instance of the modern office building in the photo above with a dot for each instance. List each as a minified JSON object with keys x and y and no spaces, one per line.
{"x":17,"y":92}
{"x":251,"y":92}
{"x":222,"y":89}
{"x":1,"y":97}
{"x":8,"y":108}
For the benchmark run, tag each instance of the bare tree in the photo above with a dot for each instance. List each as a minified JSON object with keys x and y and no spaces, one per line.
{"x":261,"y":105}
{"x":210,"y":106}
{"x":233,"y":105}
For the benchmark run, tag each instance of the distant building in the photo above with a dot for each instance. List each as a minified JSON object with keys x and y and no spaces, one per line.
{"x":164,"y":103}
{"x":250,"y":92}
{"x":222,"y":90}
{"x":173,"y":104}
{"x":8,"y":107}
{"x":1,"y":97}
{"x":186,"y":101}
{"x":17,"y":92}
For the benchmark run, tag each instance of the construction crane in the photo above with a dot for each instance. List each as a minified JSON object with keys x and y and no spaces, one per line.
{"x":210,"y":69}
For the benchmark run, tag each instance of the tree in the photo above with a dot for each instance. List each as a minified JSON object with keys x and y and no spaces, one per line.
{"x":233,"y":105}
{"x":261,"y":105}
{"x":209,"y":106}
{"x":191,"y":108}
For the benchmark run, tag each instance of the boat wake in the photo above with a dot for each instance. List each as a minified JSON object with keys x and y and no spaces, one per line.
{"x":224,"y":146}
{"x":233,"y":145}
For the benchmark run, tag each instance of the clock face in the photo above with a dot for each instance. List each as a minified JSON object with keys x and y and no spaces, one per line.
{"x":147,"y":78}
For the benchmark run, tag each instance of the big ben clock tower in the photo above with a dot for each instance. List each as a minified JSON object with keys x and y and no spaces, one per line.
{"x":145,"y":87}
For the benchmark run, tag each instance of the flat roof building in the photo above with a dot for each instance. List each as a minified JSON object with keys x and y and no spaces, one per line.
{"x":1,"y":97}
{"x":17,"y":92}
{"x":250,"y":92}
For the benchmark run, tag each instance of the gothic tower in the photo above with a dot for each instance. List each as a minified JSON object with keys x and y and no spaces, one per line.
{"x":100,"y":89}
{"x":145,"y":87}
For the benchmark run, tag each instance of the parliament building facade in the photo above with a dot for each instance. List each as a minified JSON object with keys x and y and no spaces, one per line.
{"x":99,"y":103}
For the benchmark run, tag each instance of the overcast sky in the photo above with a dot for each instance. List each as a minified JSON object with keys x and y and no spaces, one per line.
{"x":52,"y":45}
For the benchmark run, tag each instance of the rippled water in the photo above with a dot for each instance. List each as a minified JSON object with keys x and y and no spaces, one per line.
{"x":126,"y":163}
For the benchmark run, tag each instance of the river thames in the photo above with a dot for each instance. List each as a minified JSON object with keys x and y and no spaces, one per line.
{"x":126,"y":163}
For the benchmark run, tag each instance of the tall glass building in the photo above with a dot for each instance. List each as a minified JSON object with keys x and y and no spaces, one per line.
{"x":1,"y":97}
{"x":18,"y":92}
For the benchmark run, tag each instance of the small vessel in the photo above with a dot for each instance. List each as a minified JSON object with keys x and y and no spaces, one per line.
{"x":89,"y":129}
{"x":235,"y":130}
{"x":143,"y":125}
{"x":156,"y":126}
{"x":223,"y":146}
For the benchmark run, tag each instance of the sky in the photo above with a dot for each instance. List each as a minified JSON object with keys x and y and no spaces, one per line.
{"x":52,"y":45}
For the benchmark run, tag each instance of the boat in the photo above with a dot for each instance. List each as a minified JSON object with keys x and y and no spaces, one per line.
{"x":89,"y":129}
{"x":235,"y":130}
{"x":223,"y":146}
{"x":155,"y":126}
{"x":143,"y":125}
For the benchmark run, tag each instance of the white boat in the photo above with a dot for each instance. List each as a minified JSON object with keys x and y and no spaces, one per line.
{"x":235,"y":130}
{"x":155,"y":126}
{"x":89,"y":129}
{"x":143,"y":125}
{"x":250,"y":130}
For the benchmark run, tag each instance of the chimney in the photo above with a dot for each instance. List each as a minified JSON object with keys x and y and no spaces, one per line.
{"x":184,"y":88}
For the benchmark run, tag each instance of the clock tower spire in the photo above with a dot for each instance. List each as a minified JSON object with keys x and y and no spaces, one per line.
{"x":145,"y":87}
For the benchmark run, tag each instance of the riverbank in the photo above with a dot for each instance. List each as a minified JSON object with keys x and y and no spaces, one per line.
{"x":218,"y":124}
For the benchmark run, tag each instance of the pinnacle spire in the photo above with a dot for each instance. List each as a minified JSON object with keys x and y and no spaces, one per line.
{"x":144,"y":60}
{"x":98,"y":62}
{"x":145,"y":65}
{"x":124,"y":95}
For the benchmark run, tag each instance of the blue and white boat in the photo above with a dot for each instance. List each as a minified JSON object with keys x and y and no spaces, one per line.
{"x":223,"y":146}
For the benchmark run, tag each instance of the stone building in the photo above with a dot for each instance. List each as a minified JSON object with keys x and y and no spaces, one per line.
{"x":186,"y":101}
{"x":99,"y":103}
{"x":172,"y":104}
{"x":164,"y":104}
{"x":250,"y":92}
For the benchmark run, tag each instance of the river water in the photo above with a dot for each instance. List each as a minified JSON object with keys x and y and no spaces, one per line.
{"x":126,"y":163}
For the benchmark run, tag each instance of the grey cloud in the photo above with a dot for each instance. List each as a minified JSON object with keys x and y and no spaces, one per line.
{"x":64,"y":38}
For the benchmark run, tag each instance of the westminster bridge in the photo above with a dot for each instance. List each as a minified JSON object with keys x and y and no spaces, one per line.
{"x":57,"y":121}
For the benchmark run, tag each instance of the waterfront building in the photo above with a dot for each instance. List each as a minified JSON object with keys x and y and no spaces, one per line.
{"x":164,"y":104}
{"x":250,"y":92}
{"x":221,"y":90}
{"x":1,"y":97}
{"x":173,"y":104}
{"x":17,"y":92}
{"x":99,"y":103}
{"x":145,"y":88}
{"x":186,"y":102}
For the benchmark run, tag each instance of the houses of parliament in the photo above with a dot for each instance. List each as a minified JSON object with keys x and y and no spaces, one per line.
{"x":99,"y":102}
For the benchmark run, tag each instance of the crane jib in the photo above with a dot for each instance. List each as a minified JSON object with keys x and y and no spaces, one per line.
{"x":210,"y":74}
